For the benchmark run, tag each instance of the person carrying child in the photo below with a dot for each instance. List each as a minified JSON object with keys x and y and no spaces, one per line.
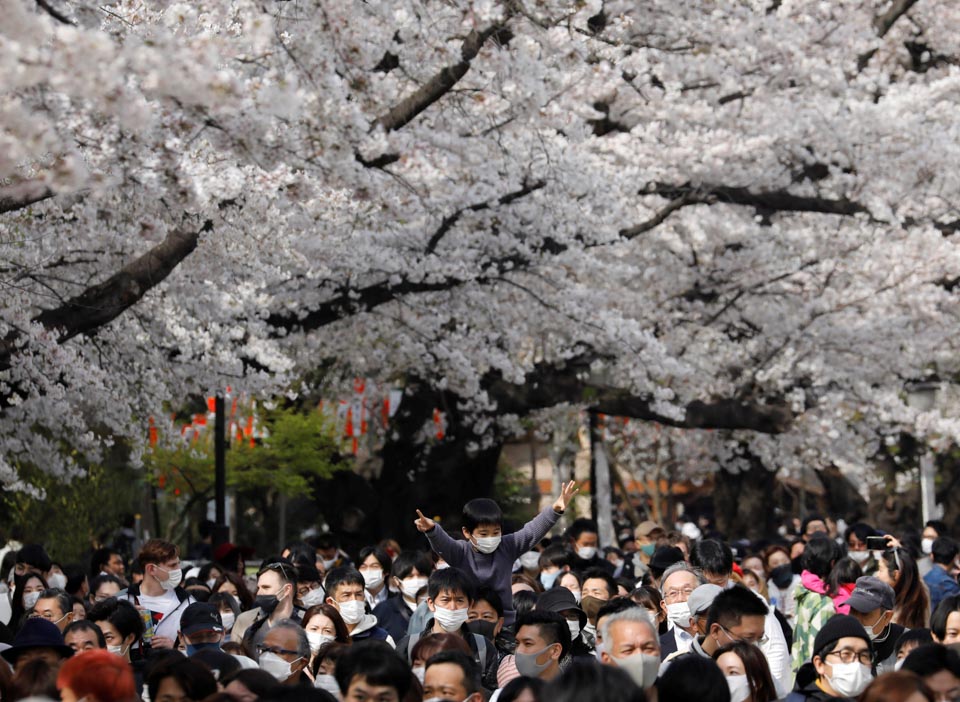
{"x":487,"y":555}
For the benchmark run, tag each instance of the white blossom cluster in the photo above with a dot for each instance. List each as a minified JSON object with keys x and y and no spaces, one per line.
{"x":725,"y":199}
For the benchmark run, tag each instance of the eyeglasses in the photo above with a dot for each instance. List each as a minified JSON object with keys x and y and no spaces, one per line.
{"x":759,"y":642}
{"x":848,"y":655}
{"x":263,"y":648}
{"x":676,"y":594}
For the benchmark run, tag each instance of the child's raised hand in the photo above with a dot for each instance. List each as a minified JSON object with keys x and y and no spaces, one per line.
{"x":567,"y":491}
{"x":422,"y":523}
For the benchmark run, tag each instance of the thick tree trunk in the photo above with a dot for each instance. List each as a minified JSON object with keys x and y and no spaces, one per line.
{"x":743,"y":502}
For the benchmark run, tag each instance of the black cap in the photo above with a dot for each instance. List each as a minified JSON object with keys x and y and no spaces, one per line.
{"x":664,"y":557}
{"x":35,"y":555}
{"x":560,"y":599}
{"x":198,"y":617}
{"x":839,"y":626}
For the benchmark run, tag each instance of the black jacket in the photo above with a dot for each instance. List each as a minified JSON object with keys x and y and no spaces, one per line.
{"x":394,"y":616}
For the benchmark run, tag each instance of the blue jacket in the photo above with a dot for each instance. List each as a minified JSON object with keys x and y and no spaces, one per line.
{"x":940,"y":584}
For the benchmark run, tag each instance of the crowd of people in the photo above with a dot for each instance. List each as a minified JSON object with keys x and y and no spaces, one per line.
{"x":826,"y":613}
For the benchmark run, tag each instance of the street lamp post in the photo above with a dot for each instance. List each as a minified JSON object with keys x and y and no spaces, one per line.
{"x":923,"y":398}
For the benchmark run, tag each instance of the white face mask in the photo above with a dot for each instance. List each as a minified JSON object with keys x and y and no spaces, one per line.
{"x":450,"y":620}
{"x":679,"y":614}
{"x":280,"y":669}
{"x":488,"y":544}
{"x":411,"y":586}
{"x":30,"y":600}
{"x":530,"y":560}
{"x":574,"y":626}
{"x":850,"y":679}
{"x":926,"y":545}
{"x":313,"y":597}
{"x":328,"y":563}
{"x":328,"y":683}
{"x":739,"y":688}
{"x":598,"y":651}
{"x":174,"y":577}
{"x":118,"y":650}
{"x":57,"y":581}
{"x":317,"y":640}
{"x":586,"y":552}
{"x":228,"y":619}
{"x":899,"y":664}
{"x":860,"y":557}
{"x":420,"y":672}
{"x":372,"y":579}
{"x":211,"y":582}
{"x":642,"y":667}
{"x":352,"y":612}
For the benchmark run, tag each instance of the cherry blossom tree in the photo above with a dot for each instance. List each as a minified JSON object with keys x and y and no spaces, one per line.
{"x":733,"y":215}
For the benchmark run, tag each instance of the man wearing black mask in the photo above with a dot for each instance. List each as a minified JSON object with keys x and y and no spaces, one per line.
{"x":276,"y":591}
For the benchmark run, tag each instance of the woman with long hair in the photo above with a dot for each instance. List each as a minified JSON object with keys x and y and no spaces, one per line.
{"x":747,"y":673}
{"x":323,"y":625}
{"x":27,"y":589}
{"x":898,"y":569}
{"x":233,"y":584}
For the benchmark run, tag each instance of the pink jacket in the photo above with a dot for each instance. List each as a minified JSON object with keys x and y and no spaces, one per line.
{"x":815,"y":583}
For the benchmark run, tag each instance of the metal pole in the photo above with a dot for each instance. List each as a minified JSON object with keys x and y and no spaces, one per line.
{"x":594,"y":431}
{"x":927,"y":494}
{"x":221,"y":531}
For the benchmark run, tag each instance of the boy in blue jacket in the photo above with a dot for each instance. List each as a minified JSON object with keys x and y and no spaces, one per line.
{"x":486,"y":554}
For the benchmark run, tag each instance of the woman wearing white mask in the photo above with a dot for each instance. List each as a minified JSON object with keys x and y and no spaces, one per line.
{"x":323,"y":625}
{"x":229,"y":608}
{"x":26,"y":592}
{"x":747,"y":673}
{"x":374,"y":566}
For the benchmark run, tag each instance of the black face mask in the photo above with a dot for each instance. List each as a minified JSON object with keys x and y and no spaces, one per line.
{"x":782,"y":576}
{"x":478,"y":626}
{"x":266,"y":603}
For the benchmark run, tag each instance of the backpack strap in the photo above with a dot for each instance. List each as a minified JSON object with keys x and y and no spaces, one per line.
{"x":481,"y":651}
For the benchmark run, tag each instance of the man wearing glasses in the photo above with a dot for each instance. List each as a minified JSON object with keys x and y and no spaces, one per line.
{"x":56,"y":607}
{"x":715,"y":558}
{"x":678,"y":583}
{"x":735,"y":616}
{"x":842,"y":661}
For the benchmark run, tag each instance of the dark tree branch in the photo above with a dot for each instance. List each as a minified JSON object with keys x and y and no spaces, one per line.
{"x":450,"y":220}
{"x":764,"y":201}
{"x":548,"y":385}
{"x":23,"y":195}
{"x":348,"y":300}
{"x":102,"y":303}
{"x":659,"y":218}
{"x":55,"y":13}
{"x":439,"y":85}
{"x":897,"y":9}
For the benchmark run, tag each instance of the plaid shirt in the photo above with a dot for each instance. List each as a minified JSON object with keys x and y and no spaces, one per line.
{"x":813,"y":611}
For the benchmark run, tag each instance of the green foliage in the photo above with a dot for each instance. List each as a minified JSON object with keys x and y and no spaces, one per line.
{"x":301,"y":447}
{"x":512,"y":491}
{"x":71,"y":517}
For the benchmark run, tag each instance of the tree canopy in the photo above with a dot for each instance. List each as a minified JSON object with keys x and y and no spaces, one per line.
{"x":735,"y":214}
